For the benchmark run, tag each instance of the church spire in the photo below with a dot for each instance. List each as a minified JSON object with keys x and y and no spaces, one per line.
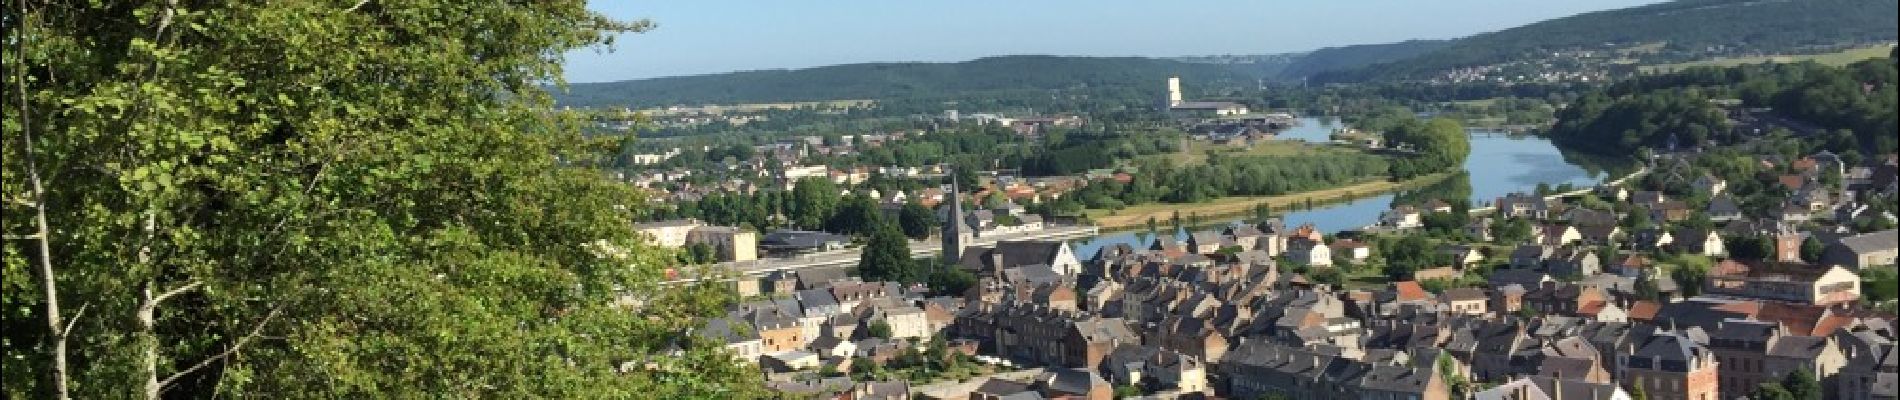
{"x":956,"y":235}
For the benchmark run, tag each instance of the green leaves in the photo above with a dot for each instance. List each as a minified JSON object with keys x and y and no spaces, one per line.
{"x":386,"y":182}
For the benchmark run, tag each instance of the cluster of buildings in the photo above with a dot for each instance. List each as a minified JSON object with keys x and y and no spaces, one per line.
{"x":1581,"y":309}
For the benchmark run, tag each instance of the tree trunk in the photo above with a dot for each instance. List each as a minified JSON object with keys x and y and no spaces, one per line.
{"x":148,"y":340}
{"x":55,"y":324}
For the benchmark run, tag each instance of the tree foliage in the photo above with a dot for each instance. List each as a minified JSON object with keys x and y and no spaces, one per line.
{"x":352,"y":199}
{"x":886,"y":257}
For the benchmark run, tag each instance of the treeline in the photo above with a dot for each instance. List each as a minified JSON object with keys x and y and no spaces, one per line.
{"x":1065,"y":152}
{"x":1678,"y":117}
{"x":901,"y":80}
{"x":1689,"y":28}
{"x":1427,"y":146}
{"x":1853,"y":107}
{"x":814,"y":204}
{"x":1225,"y":176}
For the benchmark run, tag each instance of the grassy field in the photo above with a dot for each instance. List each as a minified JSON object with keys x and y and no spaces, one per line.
{"x":1843,"y":57}
{"x":1137,"y":216}
{"x":1196,"y":151}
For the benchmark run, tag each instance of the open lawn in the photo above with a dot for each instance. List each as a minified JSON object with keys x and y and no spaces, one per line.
{"x":1195,"y":153}
{"x":1136,"y":216}
{"x":1843,"y":57}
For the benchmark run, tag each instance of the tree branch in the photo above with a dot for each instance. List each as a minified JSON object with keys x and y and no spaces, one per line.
{"x":359,"y":4}
{"x":76,"y":315}
{"x":176,"y":291}
{"x":235,"y":347}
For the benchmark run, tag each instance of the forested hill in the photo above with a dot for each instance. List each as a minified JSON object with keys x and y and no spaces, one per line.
{"x":1355,"y":56}
{"x":904,"y":80}
{"x":1686,"y":26}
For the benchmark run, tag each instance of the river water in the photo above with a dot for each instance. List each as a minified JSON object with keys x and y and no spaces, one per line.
{"x":1498,"y":165}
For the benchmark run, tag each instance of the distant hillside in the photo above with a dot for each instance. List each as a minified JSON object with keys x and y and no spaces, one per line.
{"x":1355,"y":56}
{"x":1259,"y":65}
{"x":904,"y":80}
{"x":1686,"y":26}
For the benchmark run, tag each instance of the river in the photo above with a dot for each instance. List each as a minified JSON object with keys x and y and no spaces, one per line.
{"x":1498,"y":165}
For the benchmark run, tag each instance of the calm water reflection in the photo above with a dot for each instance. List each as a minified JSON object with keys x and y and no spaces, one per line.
{"x":1498,"y":165}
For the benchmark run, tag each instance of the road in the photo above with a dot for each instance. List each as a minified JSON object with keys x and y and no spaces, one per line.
{"x":850,"y":256}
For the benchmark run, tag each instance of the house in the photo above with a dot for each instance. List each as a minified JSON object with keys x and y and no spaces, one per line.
{"x":1445,"y":272}
{"x":1510,"y":297}
{"x":1724,"y":209}
{"x":1784,"y":281}
{"x":1401,"y":217}
{"x":1600,"y":235}
{"x":1546,"y":388}
{"x":1126,"y":366}
{"x":778,"y":331}
{"x":1671,"y":365}
{"x":744,"y":342}
{"x":891,"y":390}
{"x":1177,"y":372}
{"x":1863,"y":251}
{"x":1075,"y":383}
{"x":1010,"y":253}
{"x":1870,"y":372}
{"x":1562,"y":299}
{"x":1573,"y":262}
{"x":1519,"y":205}
{"x":1003,"y":389}
{"x":833,"y":347}
{"x":1651,"y":239}
{"x":1670,"y":210}
{"x":1708,"y":183}
{"x":728,"y":243}
{"x":1462,"y":254}
{"x":1755,"y":352}
{"x":1523,"y":277}
{"x":1353,"y":250}
{"x":1573,"y":358}
{"x":1558,"y":235}
{"x":1794,"y":214}
{"x":1613,"y":194}
{"x":1646,"y":198}
{"x":1584,"y":217}
{"x":1479,"y":229}
{"x":1698,"y":241}
{"x":1198,"y":337}
{"x":1464,"y":301}
{"x":1531,"y":256}
{"x":1631,"y":265}
{"x":1204,"y":242}
{"x":1309,"y":252}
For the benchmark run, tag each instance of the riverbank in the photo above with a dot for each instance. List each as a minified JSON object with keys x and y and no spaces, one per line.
{"x":1137,"y":216}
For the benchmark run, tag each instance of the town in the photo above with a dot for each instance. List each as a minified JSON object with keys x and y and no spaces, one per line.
{"x":1668,"y":282}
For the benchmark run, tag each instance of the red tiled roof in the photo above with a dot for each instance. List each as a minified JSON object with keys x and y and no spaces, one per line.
{"x":1644,"y":310}
{"x":1827,"y":325}
{"x":1793,"y":182}
{"x":1409,"y":291}
{"x":1592,"y":308}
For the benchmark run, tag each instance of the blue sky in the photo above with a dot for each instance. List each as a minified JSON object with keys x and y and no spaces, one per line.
{"x":712,"y":36}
